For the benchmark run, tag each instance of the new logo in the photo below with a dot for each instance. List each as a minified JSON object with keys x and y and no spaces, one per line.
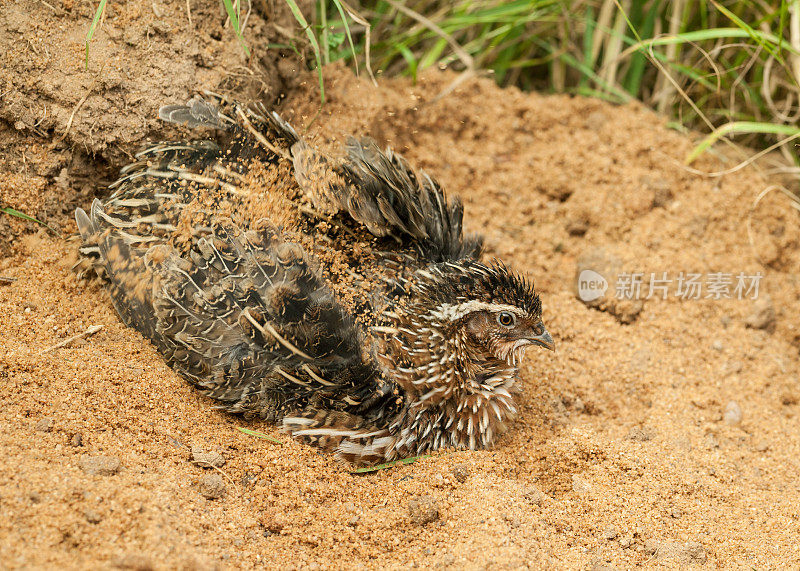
{"x":591,"y":285}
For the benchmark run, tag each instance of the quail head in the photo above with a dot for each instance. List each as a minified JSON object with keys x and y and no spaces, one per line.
{"x":334,"y":294}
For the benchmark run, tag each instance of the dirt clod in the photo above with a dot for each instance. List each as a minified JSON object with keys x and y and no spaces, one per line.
{"x":578,"y":225}
{"x":212,"y":486}
{"x":423,"y":510}
{"x":762,"y":315}
{"x":99,"y":465}
{"x":207,"y":459}
{"x":617,"y":292}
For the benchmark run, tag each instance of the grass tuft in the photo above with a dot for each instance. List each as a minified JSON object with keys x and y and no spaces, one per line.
{"x":707,"y":64}
{"x":724,"y":67}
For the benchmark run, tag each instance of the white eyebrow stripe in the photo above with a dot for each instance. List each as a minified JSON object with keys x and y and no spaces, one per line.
{"x":451,"y":312}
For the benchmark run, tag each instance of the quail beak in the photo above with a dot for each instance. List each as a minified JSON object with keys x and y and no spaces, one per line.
{"x":544,"y":340}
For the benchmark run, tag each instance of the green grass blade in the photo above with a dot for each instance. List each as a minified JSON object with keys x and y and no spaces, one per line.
{"x":21,"y":215}
{"x":588,"y":39}
{"x":633,"y":79}
{"x":740,"y":127}
{"x":234,"y":17}
{"x":16,"y":213}
{"x":312,"y":39}
{"x":713,"y":34}
{"x":433,"y":55}
{"x":325,"y":41}
{"x":340,"y":9}
{"x":404,"y":461}
{"x":408,"y":55}
{"x":285,"y":47}
{"x":756,"y":36}
{"x":90,"y":34}
{"x":622,"y":96}
{"x":258,"y":434}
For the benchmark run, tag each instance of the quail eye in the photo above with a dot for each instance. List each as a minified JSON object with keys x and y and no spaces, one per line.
{"x":506,"y":319}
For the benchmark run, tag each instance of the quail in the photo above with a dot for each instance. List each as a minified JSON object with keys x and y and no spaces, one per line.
{"x":333,"y":293}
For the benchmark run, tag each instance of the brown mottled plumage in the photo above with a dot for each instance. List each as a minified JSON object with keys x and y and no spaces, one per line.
{"x":364,"y":324}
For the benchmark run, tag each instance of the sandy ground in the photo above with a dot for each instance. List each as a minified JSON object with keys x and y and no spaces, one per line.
{"x":662,"y":432}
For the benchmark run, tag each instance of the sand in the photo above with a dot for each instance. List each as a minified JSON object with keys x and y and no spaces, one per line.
{"x":663,"y":432}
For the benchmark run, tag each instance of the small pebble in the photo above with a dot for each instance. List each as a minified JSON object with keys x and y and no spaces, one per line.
{"x":44,"y":424}
{"x":134,"y":562}
{"x":579,"y":485}
{"x":99,"y":465}
{"x":625,"y":542}
{"x":92,"y":516}
{"x":692,"y":552}
{"x":610,"y":533}
{"x":652,"y":546}
{"x":683,"y":443}
{"x":595,"y":121}
{"x":423,"y":510}
{"x":733,"y":413}
{"x":717,"y":345}
{"x":710,"y":441}
{"x":689,"y":553}
{"x":535,"y":496}
{"x":597,"y":565}
{"x":212,"y":486}
{"x":577,"y":226}
{"x":641,"y":434}
{"x":461,"y":472}
{"x":273,"y":522}
{"x":762,"y":446}
{"x":733,"y":367}
{"x":77,"y":440}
